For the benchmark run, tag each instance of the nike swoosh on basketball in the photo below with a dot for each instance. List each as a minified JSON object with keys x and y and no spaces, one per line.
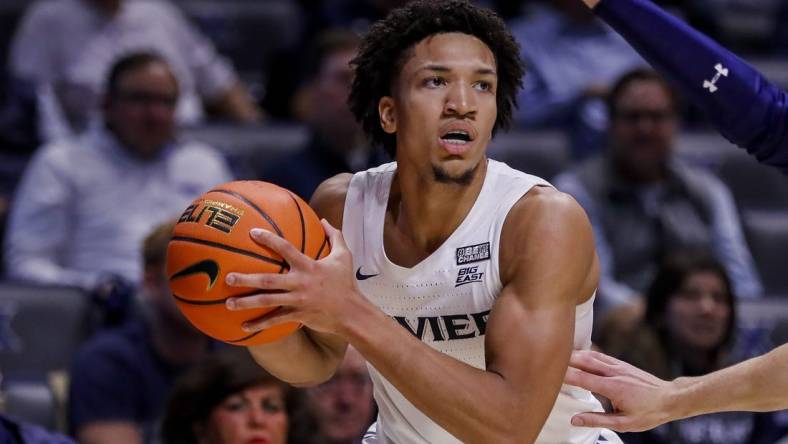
{"x":209,"y":267}
{"x":360,"y":276}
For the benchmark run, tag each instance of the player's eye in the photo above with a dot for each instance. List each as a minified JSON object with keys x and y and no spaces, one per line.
{"x":483,"y":85}
{"x":434,"y":82}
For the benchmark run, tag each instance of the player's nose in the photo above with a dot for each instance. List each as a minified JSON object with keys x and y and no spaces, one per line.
{"x":460,"y":100}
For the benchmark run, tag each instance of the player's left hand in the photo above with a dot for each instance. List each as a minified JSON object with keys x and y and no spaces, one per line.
{"x":317,"y":293}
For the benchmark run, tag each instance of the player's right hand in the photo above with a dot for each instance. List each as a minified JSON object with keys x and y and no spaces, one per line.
{"x":640,"y":400}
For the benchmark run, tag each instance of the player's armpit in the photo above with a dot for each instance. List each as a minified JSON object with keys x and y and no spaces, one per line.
{"x":328,"y":200}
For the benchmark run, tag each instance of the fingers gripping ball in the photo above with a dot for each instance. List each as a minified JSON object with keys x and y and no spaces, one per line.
{"x":212,"y":239}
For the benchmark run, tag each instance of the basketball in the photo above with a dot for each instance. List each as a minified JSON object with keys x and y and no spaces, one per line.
{"x":212,"y":239}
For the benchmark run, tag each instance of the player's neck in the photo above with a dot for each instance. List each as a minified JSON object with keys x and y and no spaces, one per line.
{"x":425,"y":212}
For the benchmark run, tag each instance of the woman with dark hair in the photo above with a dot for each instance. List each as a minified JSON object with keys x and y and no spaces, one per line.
{"x":690,"y":307}
{"x":229,"y":399}
{"x":687,"y":329}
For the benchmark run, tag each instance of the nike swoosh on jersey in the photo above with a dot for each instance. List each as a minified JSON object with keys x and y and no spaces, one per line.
{"x":209,"y":267}
{"x":360,"y":276}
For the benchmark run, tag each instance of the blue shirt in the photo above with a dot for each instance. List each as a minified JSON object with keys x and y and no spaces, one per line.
{"x":118,"y":376}
{"x":84,"y":206}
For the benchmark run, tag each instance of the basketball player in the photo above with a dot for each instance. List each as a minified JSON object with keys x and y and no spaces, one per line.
{"x":749,"y":111}
{"x":465,"y":284}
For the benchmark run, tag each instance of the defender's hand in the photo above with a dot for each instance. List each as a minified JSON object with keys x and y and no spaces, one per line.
{"x":641,"y":401}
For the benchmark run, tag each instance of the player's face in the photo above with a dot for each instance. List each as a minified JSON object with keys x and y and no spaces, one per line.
{"x":142,"y":109}
{"x":698,"y":313}
{"x":253,"y":416}
{"x":643,"y":127}
{"x":343,"y":405}
{"x":443,"y":109}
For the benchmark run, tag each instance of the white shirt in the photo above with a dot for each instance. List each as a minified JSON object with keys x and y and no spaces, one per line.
{"x":85,"y":205}
{"x":68,"y":47}
{"x":446,"y":298}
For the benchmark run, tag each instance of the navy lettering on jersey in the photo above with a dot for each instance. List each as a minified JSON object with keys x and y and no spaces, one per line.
{"x":421,"y":322}
{"x":456,"y":325}
{"x":468,"y":275}
{"x":447,"y":327}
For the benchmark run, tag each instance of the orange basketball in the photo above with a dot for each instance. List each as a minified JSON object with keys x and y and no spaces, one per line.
{"x":212,"y":239}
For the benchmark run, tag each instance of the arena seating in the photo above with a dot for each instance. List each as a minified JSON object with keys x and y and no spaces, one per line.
{"x":40,"y":328}
{"x":543,"y":154}
{"x":250,"y":148}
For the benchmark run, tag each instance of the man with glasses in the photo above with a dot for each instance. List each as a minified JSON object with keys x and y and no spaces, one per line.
{"x":85,"y":204}
{"x":643,"y":202}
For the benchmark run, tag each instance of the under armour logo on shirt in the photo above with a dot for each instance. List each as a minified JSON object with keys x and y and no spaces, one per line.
{"x":711,"y":85}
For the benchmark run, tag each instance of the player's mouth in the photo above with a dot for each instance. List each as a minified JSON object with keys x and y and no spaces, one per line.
{"x":457,"y":137}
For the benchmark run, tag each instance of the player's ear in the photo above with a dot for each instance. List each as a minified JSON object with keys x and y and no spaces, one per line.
{"x":388,"y":118}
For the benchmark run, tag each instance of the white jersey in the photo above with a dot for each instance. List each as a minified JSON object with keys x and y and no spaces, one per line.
{"x":446,"y":298}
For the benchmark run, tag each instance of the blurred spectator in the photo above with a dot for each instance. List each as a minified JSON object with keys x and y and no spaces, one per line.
{"x":120,"y":379}
{"x":572,"y":58}
{"x":688,"y":329}
{"x":341,"y":409}
{"x":68,"y":46}
{"x":18,"y":138}
{"x":229,"y":399}
{"x":337,"y":143}
{"x":643,"y":201}
{"x":84,"y":205}
{"x":356,"y":15}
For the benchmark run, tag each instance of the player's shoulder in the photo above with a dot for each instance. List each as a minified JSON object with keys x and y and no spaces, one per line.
{"x":541,"y":230}
{"x":546,"y":202}
{"x":328,"y":200}
{"x":541,"y":213}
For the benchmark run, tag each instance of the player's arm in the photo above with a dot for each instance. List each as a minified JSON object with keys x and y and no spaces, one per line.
{"x":546,"y":263}
{"x":308,"y":357}
{"x":643,"y":401}
{"x":745,"y":107}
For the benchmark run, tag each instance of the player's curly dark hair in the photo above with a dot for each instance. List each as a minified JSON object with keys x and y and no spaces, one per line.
{"x":385,"y":48}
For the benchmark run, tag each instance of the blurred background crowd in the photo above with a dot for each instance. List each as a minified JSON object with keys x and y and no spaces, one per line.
{"x":115,"y":114}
